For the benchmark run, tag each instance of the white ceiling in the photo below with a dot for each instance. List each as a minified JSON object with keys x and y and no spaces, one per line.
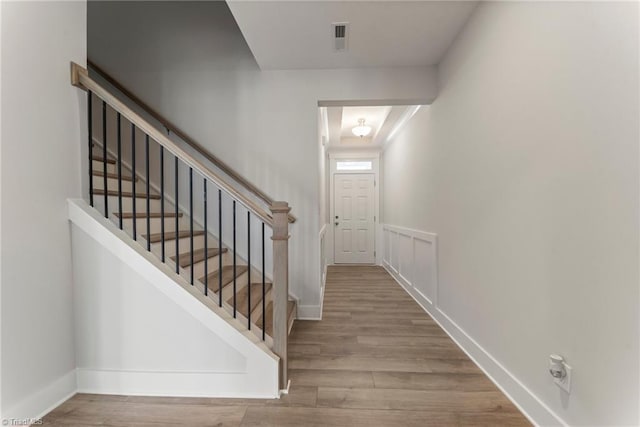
{"x":384,"y":120}
{"x":374,"y":117}
{"x":298,"y":34}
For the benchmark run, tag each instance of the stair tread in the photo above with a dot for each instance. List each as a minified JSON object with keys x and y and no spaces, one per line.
{"x":198,"y":255}
{"x":114,"y":175}
{"x":171,"y":235}
{"x":101,"y":159}
{"x":139,"y":215}
{"x":126,"y":194}
{"x":242,"y":299}
{"x":227,"y":276}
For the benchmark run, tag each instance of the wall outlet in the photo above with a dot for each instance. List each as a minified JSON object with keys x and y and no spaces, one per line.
{"x":565,"y":382}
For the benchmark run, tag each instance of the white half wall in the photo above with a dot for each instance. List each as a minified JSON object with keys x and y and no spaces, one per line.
{"x":526,"y":167}
{"x":43,"y":125}
{"x":264,"y":124}
{"x":140,"y":332}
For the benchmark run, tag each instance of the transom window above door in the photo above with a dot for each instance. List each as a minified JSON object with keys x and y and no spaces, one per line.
{"x":354,"y":165}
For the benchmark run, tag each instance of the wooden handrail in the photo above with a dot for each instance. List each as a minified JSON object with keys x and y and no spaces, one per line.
{"x":186,"y":138}
{"x":80,"y":78}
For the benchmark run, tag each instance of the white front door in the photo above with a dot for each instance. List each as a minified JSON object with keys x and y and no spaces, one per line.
{"x":354,"y":218}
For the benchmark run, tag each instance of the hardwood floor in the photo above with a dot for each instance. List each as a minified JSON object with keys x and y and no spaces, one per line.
{"x":376,"y":359}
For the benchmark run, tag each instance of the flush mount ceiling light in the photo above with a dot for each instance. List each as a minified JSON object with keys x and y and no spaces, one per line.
{"x":361,"y":130}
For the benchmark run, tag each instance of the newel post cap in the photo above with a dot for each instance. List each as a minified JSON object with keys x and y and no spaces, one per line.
{"x":280,"y":207}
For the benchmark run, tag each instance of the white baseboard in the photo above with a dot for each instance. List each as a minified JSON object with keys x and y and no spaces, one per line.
{"x":309,"y":312}
{"x":45,"y":400}
{"x":529,"y":404}
{"x":176,"y":384}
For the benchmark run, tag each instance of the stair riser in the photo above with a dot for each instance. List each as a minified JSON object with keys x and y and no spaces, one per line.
{"x":170,"y":245}
{"x":227,"y":291}
{"x":212,"y":264}
{"x":112,"y":184}
{"x":99,"y":166}
{"x":155,"y":224}
{"x":241,"y":282}
{"x":257,"y":312}
{"x":127,"y":203}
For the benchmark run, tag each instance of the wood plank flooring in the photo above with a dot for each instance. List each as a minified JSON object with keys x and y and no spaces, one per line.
{"x":376,"y":359}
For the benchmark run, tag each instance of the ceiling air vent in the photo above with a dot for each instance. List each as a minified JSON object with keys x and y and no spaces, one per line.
{"x":340,"y":35}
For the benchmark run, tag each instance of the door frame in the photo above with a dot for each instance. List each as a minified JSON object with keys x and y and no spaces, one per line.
{"x":374,"y":157}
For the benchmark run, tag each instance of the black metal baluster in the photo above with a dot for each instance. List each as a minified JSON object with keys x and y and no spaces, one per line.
{"x":146,"y":155}
{"x":104,"y":158}
{"x":263,"y":288}
{"x":234,"y":260}
{"x":249,"y":269}
{"x":191,"y":221}
{"x":119,"y":124}
{"x":176,"y":222}
{"x":220,"y":248}
{"x":133,"y":181}
{"x":162,"y":201}
{"x":206,"y":246}
{"x":90,"y":118}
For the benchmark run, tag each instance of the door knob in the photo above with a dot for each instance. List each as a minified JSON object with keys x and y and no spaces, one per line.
{"x":337,"y":223}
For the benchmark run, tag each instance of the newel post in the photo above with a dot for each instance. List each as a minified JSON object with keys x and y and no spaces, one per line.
{"x":280,"y":237}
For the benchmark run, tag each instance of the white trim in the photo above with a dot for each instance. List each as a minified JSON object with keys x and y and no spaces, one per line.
{"x":324,"y":119}
{"x":323,"y":255}
{"x":322,"y":229}
{"x":326,"y":269}
{"x":354,"y":153}
{"x":526,"y":401}
{"x":406,"y":116}
{"x":375,"y":102}
{"x":177,"y":384}
{"x":261,"y":376}
{"x":40,"y":403}
{"x":310,"y":312}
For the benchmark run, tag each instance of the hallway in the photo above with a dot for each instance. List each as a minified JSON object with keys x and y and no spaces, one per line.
{"x":376,"y":359}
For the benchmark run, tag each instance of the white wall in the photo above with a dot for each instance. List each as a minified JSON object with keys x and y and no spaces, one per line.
{"x":526,"y":167}
{"x":1,"y":34}
{"x":41,"y":168}
{"x":190,"y":61}
{"x":137,"y":332}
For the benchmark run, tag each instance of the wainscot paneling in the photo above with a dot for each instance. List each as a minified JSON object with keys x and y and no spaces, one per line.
{"x":411,"y":255}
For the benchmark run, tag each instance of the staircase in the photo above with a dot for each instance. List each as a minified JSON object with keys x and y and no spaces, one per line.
{"x":229,"y":282}
{"x":198,"y":223}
